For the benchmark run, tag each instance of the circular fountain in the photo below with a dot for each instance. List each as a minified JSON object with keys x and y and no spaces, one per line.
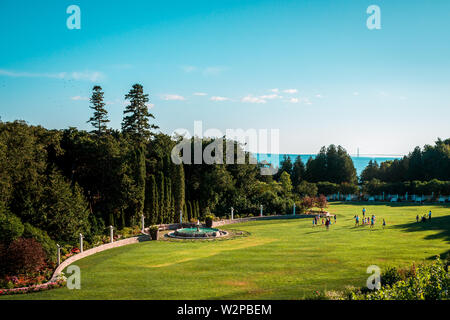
{"x":197,"y":233}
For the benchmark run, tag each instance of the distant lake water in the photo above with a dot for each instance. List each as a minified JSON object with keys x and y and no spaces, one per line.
{"x":359,"y":162}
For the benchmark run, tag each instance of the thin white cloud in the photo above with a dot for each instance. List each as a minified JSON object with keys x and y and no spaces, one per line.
{"x":79,"y":98}
{"x":290,"y":91}
{"x":189,"y":69}
{"x":275,"y":90}
{"x":76,"y":75}
{"x":252,"y":99}
{"x":356,"y":93}
{"x":271,"y":96}
{"x":201,"y":94}
{"x":218,"y":98}
{"x":213,"y":71}
{"x":319,"y":96}
{"x":299,"y":100}
{"x":87,"y":75}
{"x":173,"y":97}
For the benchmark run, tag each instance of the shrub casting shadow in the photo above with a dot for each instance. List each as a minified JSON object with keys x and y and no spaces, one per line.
{"x":390,"y":204}
{"x":439,"y":224}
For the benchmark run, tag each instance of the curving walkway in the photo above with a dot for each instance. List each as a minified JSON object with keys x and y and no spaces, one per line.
{"x":95,"y":250}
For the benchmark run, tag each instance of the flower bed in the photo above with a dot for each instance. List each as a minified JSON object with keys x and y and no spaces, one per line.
{"x":35,"y":288}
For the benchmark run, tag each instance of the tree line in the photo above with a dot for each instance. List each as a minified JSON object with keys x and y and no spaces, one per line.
{"x":423,"y":171}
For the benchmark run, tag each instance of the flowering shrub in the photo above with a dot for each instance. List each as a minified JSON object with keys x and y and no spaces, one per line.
{"x":25,"y":280}
{"x":35,"y":288}
{"x":75,"y":250}
{"x":428,"y":282}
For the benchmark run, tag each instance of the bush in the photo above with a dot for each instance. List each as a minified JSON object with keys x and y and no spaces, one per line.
{"x":426,"y":282}
{"x":25,"y":256}
{"x":11,"y":228}
{"x":42,"y":237}
{"x":209,"y":221}
{"x":321,"y":202}
{"x":348,"y":188}
{"x":153,"y":231}
{"x":3,"y":255}
{"x":327,"y":188}
{"x":390,"y":276}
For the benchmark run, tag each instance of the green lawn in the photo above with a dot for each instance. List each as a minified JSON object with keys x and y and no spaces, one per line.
{"x":281,"y":259}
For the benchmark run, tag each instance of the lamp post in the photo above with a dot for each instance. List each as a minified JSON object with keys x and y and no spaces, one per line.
{"x":111,"y":233}
{"x":261,"y":211}
{"x":294,"y":208}
{"x":232,"y":213}
{"x":181,"y":218}
{"x":81,"y":243}
{"x":143,"y":223}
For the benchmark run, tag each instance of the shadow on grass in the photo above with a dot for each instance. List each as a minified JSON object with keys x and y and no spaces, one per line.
{"x":441,"y":226}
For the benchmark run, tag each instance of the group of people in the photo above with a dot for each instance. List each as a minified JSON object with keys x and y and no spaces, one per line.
{"x":366,"y":220}
{"x":424,"y":217}
{"x":325,"y":221}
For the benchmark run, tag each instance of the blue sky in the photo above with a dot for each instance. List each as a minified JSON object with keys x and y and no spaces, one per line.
{"x":309,"y":68}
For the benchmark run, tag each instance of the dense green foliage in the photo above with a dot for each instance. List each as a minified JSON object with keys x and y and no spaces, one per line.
{"x":423,"y":282}
{"x":431,"y":162}
{"x":434,"y":186}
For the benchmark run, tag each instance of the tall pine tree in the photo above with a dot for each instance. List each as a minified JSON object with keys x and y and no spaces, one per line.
{"x":100,"y":117}
{"x":136,"y":114}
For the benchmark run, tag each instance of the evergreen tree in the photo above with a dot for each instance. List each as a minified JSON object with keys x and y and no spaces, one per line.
{"x":285,"y":166}
{"x":136,"y":114}
{"x":100,"y":117}
{"x":162,"y":198}
{"x":298,"y":172}
{"x":178,"y":187}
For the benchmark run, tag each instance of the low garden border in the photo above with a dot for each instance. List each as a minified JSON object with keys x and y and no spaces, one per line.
{"x":57,"y":281}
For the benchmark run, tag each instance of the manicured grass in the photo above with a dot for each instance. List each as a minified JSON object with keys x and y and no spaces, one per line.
{"x":281,"y":259}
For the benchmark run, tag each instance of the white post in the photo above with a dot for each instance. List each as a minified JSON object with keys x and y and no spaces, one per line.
{"x":81,"y":242}
{"x":406,"y":197}
{"x":294,"y":208}
{"x":111,"y":233}
{"x":59,"y":254}
{"x":232,"y":213}
{"x":261,"y":211}
{"x":143,"y":223}
{"x":181,"y":218}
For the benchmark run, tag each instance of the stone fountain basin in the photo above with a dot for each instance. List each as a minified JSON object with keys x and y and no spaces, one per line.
{"x":193,"y":233}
